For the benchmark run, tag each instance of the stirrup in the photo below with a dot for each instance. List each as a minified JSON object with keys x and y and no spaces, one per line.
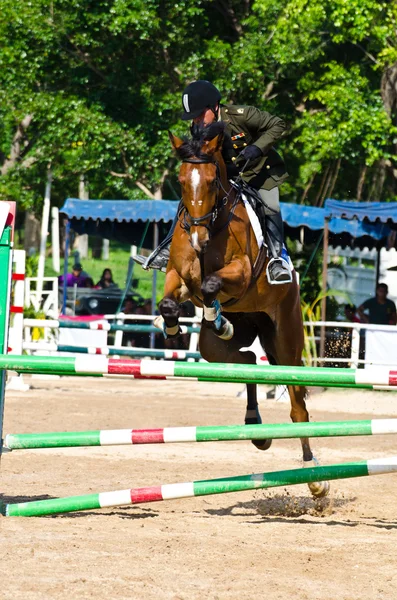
{"x":141,"y":260}
{"x":158,"y":261}
{"x":284,"y":264}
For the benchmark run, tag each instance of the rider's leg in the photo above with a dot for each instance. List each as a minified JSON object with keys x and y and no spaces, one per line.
{"x":158,"y":259}
{"x":278,"y":270}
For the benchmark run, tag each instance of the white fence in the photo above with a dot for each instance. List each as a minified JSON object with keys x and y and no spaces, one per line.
{"x":352,"y":344}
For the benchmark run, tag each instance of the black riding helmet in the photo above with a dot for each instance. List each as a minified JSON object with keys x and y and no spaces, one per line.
{"x":198,"y":96}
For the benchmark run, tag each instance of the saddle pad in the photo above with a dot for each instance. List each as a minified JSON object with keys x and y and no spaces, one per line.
{"x":256,"y":226}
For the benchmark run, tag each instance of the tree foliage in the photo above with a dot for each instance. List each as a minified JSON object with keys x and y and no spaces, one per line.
{"x":91,"y":88}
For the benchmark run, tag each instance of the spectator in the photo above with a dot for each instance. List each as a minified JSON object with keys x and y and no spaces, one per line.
{"x":106,"y":280}
{"x":129,"y":307}
{"x":147,"y":306}
{"x":76,"y":277}
{"x":381,"y":310}
{"x":89,"y":283}
{"x":351,"y":313}
{"x":141,"y":340}
{"x":135,"y":339}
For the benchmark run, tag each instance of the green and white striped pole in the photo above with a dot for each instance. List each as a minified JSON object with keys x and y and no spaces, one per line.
{"x":103,"y":325}
{"x":166,"y":435}
{"x":113,"y":350}
{"x":201,"y":488}
{"x":233,"y":373}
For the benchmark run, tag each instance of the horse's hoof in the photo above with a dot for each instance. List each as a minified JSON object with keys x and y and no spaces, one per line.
{"x":262,"y":444}
{"x":226,"y":331}
{"x":253,"y":417}
{"x":319,"y":489}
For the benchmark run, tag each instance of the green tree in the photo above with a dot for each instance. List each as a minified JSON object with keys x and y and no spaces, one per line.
{"x":91,"y":89}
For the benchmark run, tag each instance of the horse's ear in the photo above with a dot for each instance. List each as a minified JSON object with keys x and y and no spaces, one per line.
{"x":175,"y":141}
{"x":212,"y":146}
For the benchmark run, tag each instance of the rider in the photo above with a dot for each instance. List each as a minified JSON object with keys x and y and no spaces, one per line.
{"x":253,"y":133}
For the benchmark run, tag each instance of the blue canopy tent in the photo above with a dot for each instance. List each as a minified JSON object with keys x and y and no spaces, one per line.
{"x":126,"y":221}
{"x":368,"y":212}
{"x":379,"y":219}
{"x":123,"y":220}
{"x":358,"y":234}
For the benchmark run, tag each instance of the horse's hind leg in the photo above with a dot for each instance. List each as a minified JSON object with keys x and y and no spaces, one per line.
{"x":214,"y":349}
{"x":284,"y":347}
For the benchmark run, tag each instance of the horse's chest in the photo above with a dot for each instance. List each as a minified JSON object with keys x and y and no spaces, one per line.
{"x":213,"y":261}
{"x":194,"y":272}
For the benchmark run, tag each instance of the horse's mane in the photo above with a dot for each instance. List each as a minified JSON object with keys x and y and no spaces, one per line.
{"x":200,"y":134}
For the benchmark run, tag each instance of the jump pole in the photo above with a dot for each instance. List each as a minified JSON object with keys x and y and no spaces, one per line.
{"x":204,"y":487}
{"x":102,"y":326}
{"x":113,"y":350}
{"x":232,"y":373}
{"x":115,"y":437}
{"x":7,"y":223}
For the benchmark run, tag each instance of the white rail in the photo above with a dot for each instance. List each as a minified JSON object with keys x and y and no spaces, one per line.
{"x":353,"y":359}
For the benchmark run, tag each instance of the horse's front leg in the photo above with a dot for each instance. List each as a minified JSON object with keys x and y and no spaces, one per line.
{"x":230,"y":280}
{"x":169,"y":306}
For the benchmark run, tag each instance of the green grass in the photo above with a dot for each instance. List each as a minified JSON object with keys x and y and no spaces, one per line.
{"x":118,"y":263}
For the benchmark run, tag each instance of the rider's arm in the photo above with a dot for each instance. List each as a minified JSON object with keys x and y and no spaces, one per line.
{"x":265,"y":128}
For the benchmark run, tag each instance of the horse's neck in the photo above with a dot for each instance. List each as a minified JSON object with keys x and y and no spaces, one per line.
{"x":226,"y":189}
{"x":226,"y":200}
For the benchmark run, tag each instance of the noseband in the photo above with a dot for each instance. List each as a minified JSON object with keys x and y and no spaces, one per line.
{"x":188,"y":220}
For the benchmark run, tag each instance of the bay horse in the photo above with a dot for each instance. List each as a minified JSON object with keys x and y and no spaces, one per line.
{"x":212,"y":262}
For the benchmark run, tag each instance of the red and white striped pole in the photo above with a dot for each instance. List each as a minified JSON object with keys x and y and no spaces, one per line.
{"x":15,"y":340}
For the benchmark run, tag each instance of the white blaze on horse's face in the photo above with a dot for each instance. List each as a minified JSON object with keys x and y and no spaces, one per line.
{"x":195,"y":180}
{"x":195,"y":242}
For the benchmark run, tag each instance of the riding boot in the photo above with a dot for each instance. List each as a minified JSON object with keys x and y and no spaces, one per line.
{"x":159,"y":258}
{"x":278,"y":270}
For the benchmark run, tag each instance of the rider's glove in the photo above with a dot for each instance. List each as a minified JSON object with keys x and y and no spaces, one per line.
{"x":251,"y":152}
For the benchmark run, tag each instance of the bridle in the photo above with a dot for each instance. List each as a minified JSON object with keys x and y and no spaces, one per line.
{"x":211,"y":217}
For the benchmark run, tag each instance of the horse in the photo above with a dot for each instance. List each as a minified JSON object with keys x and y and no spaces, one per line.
{"x":214,"y":258}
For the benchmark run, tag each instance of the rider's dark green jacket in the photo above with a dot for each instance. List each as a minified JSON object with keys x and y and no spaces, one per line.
{"x":248,"y":125}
